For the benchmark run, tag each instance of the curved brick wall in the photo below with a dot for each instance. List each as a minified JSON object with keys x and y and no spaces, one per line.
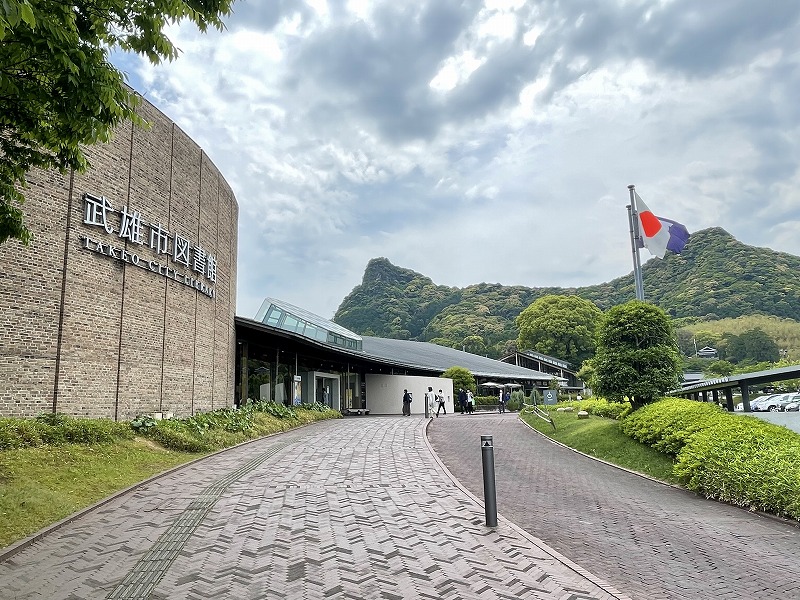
{"x":124,"y":301}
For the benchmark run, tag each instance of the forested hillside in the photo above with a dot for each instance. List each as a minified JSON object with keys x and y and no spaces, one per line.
{"x":715,"y":277}
{"x":784,"y":332}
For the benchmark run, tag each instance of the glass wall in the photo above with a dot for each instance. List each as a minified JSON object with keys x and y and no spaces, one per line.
{"x":259,"y":380}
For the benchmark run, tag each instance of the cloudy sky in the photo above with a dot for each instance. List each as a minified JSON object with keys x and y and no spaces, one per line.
{"x":485,"y":140}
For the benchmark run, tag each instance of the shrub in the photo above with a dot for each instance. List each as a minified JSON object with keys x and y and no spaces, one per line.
{"x":202,"y":432}
{"x":57,"y":429}
{"x":315,"y":406}
{"x":668,"y":424}
{"x":176,"y":435}
{"x":143,"y":423}
{"x":485,"y":400}
{"x":600,"y":407}
{"x":93,"y":431}
{"x":274,"y":409}
{"x":515,"y":403}
{"x":734,"y":458}
{"x":225,"y":427}
{"x":19,"y":433}
{"x":53,"y":418}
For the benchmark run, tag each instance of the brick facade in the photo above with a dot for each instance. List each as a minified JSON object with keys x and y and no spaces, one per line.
{"x":120,"y":328}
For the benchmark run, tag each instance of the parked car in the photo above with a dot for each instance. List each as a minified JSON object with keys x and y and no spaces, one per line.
{"x":753,"y":402}
{"x":792,"y":406}
{"x":788,"y":400}
{"x":771,"y":403}
{"x":763,"y":403}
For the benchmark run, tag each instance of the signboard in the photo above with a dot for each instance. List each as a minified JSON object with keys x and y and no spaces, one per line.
{"x":297,"y":399}
{"x":550,"y":396}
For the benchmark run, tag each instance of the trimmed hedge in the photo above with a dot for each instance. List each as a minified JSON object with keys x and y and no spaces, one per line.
{"x":734,"y":458}
{"x":600,"y":407}
{"x":668,"y":424}
{"x":512,"y":405}
{"x":485,"y":400}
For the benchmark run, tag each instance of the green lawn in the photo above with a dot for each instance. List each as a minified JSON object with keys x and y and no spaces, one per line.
{"x":602,"y":438}
{"x":39,"y":486}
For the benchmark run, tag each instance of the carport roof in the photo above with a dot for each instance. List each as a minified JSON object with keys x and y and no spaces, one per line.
{"x":753,"y":378}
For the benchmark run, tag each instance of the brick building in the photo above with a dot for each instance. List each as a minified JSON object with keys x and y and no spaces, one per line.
{"x":124,"y":301}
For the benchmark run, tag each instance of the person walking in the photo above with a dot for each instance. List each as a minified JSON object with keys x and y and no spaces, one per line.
{"x":470,"y":402}
{"x":406,"y":404}
{"x":462,"y":400}
{"x":442,"y":406}
{"x":500,"y":402}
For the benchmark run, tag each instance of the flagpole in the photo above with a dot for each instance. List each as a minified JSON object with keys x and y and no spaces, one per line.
{"x":633,"y":222}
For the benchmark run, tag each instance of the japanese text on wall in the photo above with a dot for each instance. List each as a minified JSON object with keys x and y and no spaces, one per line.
{"x":131,"y":227}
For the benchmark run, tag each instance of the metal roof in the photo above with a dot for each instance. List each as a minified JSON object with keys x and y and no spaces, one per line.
{"x":415,"y":355}
{"x":424,"y":355}
{"x":551,"y":360}
{"x":756,"y":377}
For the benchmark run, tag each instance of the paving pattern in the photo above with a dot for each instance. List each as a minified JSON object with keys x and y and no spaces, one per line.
{"x":354,"y":508}
{"x":651,"y":540}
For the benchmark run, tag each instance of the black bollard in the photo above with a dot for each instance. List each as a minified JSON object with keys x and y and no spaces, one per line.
{"x":489,"y":492}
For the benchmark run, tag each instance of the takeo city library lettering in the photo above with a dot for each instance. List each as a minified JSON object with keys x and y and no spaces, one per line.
{"x":162,"y":242}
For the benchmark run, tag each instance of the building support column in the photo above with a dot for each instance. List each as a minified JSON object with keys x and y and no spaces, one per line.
{"x":745,"y":398}
{"x":729,"y":398}
{"x":244,"y":383}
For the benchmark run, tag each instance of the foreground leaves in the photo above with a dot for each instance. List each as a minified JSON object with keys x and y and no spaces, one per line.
{"x":58,"y":90}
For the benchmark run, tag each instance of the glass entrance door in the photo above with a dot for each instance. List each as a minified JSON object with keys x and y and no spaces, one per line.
{"x":324,"y":391}
{"x":327,"y":389}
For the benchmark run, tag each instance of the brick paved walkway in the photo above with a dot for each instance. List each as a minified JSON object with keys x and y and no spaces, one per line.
{"x":651,"y":540}
{"x":355,"y":508}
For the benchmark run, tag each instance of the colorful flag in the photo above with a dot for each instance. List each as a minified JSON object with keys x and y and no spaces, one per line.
{"x":658,"y":234}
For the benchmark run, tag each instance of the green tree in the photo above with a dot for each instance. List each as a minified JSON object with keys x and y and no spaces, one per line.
{"x":719,"y":368}
{"x":509,"y":347}
{"x":561,"y":326}
{"x":462,"y":378}
{"x":751,"y":346}
{"x":686,"y":341}
{"x":587,"y":374}
{"x":698,"y":365}
{"x":474,"y":344}
{"x":58,"y":90}
{"x":637,"y":354}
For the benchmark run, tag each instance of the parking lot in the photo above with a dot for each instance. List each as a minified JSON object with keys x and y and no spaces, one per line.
{"x":791,"y":420}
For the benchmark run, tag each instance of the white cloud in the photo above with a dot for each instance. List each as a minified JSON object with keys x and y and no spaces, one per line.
{"x":455,"y":71}
{"x":484,"y":141}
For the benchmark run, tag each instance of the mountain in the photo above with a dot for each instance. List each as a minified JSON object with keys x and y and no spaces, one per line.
{"x":715,"y":277}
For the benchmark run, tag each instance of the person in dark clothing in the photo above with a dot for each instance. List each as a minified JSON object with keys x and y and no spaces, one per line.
{"x":406,"y":403}
{"x":462,"y":400}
